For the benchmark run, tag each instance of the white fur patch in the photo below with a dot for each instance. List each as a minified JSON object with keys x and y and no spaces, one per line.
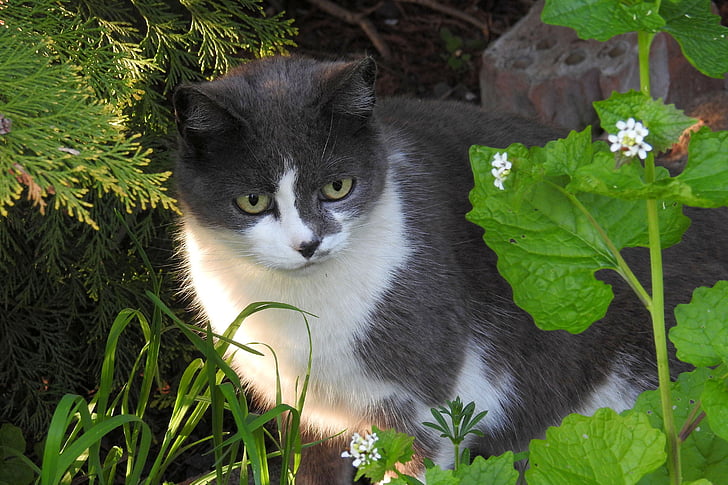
{"x":226,"y":271}
{"x":275,"y":240}
{"x":472,"y":386}
{"x":615,"y":393}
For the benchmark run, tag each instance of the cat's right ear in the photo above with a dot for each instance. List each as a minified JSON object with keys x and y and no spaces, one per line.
{"x":350,"y":87}
{"x":199,"y":117}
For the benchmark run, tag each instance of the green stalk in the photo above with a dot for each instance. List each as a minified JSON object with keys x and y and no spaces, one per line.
{"x":622,"y":268}
{"x":657,"y":308}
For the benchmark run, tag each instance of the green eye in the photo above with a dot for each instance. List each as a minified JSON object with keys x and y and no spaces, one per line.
{"x":253,"y":203}
{"x":338,"y":189}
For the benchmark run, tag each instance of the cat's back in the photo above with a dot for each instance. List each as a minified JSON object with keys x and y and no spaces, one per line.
{"x":458,"y":125}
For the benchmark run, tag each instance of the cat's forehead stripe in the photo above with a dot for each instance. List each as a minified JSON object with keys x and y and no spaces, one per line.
{"x":290,"y":219}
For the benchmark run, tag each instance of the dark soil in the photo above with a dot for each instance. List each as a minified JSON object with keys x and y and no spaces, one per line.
{"x":433,"y":54}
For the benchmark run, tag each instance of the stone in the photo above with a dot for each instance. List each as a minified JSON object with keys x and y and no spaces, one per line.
{"x":546,"y":72}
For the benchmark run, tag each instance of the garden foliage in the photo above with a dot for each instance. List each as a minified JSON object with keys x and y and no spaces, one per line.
{"x":84,"y":124}
{"x":600,"y":199}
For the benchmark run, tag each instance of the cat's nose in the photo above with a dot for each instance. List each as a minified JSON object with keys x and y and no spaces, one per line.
{"x":309,"y":247}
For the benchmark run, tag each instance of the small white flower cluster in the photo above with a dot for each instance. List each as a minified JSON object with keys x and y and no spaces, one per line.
{"x":501,"y":169}
{"x":362,"y":449}
{"x":630,"y":140}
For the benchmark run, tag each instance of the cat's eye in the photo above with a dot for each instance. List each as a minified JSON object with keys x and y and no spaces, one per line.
{"x":338,"y":189}
{"x":254,"y":203}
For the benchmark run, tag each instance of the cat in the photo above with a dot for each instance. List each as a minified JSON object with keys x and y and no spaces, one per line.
{"x":298,"y":185}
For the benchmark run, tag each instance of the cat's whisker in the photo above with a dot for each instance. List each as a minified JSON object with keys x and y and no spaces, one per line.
{"x":328,"y":137}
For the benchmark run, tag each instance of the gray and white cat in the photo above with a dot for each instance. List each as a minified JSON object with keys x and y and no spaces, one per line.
{"x":298,"y":187}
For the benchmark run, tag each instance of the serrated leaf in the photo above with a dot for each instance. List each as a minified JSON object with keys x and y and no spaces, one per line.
{"x":394,"y":447}
{"x":704,"y":42}
{"x":547,"y":243}
{"x":602,"y":19}
{"x":701,"y":334}
{"x":704,"y":454}
{"x":549,"y":264}
{"x":715,"y":405}
{"x":496,"y":469}
{"x":602,"y":449}
{"x":665,"y":122}
{"x":703,"y":183}
{"x":438,"y":476}
{"x":706,"y":172}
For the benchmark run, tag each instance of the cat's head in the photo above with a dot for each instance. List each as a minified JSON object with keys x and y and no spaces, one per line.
{"x":283,"y":155}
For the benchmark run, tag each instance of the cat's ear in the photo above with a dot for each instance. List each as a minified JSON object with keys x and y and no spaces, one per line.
{"x":350,"y":88}
{"x":200,"y":117}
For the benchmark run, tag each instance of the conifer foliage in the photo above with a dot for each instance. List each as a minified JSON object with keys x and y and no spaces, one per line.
{"x":84,"y":170}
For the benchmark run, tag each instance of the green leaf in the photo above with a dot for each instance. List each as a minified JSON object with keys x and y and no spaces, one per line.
{"x":549,"y":264}
{"x":13,"y":470}
{"x":602,"y":449}
{"x":496,"y":469}
{"x":704,"y":42}
{"x":393,"y":447}
{"x":550,"y":241}
{"x":715,"y":404}
{"x":602,"y":19}
{"x":701,"y":335}
{"x":703,"y":182}
{"x":706,"y":172}
{"x":665,"y":122}
{"x":704,"y":454}
{"x":438,"y":476}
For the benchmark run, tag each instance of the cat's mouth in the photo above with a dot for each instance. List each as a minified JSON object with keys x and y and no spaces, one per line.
{"x":302,"y":267}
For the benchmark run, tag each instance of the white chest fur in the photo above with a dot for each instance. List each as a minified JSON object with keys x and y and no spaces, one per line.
{"x":342,"y":291}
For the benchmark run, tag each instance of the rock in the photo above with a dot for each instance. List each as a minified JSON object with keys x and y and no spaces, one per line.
{"x":547,"y":72}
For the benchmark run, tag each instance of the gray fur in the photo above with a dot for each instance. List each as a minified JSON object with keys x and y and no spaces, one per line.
{"x":239,"y":133}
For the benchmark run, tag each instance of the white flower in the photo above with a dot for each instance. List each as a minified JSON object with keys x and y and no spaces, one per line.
{"x":362,"y":449}
{"x":501,"y":169}
{"x":630,"y":140}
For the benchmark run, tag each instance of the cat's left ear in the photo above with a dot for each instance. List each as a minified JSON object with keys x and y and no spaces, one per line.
{"x":350,"y":88}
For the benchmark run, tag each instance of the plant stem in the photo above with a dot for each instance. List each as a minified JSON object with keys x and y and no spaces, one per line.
{"x":657,"y":312}
{"x":657,"y":307}
{"x":622,"y":268}
{"x":644,"y":41}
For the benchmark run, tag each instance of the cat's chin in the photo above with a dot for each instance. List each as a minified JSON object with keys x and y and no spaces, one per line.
{"x":298,"y":269}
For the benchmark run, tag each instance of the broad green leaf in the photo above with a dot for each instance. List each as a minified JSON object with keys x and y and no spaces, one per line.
{"x":548,"y":254}
{"x":715,"y":405}
{"x":706,"y":172}
{"x":701,"y":333}
{"x":438,"y":476}
{"x":704,"y":455}
{"x":496,"y":469}
{"x":13,"y":470}
{"x":703,"y":182}
{"x":549,"y":240}
{"x":404,"y":480}
{"x":704,"y":42}
{"x":603,"y":178}
{"x":602,"y":19}
{"x":604,"y":449}
{"x":665,"y":122}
